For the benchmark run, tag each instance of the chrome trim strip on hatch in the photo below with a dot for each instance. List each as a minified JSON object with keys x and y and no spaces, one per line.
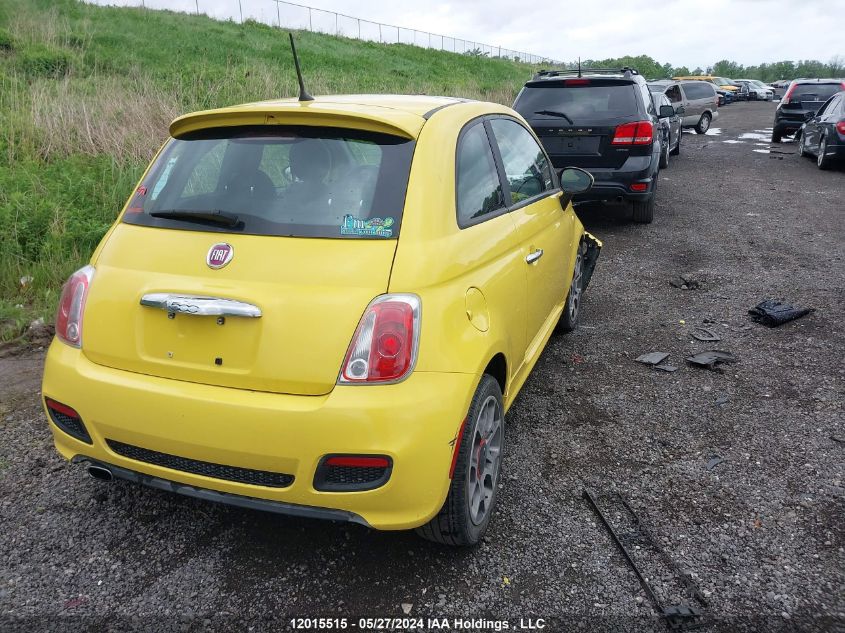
{"x":200,"y":306}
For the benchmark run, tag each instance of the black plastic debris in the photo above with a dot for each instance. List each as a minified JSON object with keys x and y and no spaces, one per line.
{"x":711,"y":358}
{"x":705,"y":334}
{"x":652,"y":358}
{"x":772,"y":312}
{"x":654,"y":568}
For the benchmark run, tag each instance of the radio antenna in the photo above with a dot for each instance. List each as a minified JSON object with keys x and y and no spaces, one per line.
{"x":303,"y":94}
{"x":579,"y":64}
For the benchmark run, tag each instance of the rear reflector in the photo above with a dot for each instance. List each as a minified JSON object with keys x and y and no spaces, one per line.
{"x":359,"y":462}
{"x":639,"y":186}
{"x":68,"y":420}
{"x":635,"y":133}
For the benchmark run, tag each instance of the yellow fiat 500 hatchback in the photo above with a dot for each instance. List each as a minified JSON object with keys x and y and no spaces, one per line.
{"x":324,"y":309}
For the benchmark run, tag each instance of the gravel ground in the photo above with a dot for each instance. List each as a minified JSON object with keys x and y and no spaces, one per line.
{"x":761,"y":533}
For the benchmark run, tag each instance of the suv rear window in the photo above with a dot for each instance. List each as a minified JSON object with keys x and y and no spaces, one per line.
{"x":816,"y":92}
{"x":298,"y":181}
{"x":579,"y":102}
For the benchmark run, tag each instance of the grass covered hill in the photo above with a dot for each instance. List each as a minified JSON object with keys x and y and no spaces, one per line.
{"x":87,"y":93}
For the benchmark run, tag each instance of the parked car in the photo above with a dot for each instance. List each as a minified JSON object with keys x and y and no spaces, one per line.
{"x":671,"y":129}
{"x":603,"y":120}
{"x":720,"y":82}
{"x":756,"y":89}
{"x":697,"y":98}
{"x":323,"y":309}
{"x":823,"y":135}
{"x":802,"y":99}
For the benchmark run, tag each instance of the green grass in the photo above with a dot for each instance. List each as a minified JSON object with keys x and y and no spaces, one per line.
{"x":87,"y":92}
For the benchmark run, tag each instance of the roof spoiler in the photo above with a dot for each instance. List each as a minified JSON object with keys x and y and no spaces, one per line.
{"x":627,"y":71}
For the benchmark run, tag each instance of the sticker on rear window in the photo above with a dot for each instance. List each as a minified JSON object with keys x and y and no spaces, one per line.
{"x":374,"y":227}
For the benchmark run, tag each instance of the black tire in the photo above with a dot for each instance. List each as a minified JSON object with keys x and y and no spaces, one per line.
{"x":664,"y":157}
{"x":677,"y":149}
{"x":776,"y":136}
{"x":572,"y":308}
{"x":703,"y":124}
{"x":823,"y":161}
{"x":453,"y":525}
{"x":643,"y":210}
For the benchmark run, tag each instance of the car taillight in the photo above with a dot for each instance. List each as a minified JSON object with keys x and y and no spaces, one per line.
{"x":384,"y":346}
{"x":636,"y":133}
{"x":576,"y":82}
{"x":787,"y":94}
{"x":72,"y":305}
{"x":840,"y":127}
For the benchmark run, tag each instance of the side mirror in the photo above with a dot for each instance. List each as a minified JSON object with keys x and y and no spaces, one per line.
{"x":680,"y":109}
{"x":574,"y":180}
{"x":666,"y":111}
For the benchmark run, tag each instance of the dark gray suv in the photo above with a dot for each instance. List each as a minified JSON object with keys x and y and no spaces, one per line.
{"x":604,"y":121}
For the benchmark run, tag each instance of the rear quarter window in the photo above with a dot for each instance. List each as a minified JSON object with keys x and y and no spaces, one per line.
{"x":280,"y":180}
{"x":699,"y":90}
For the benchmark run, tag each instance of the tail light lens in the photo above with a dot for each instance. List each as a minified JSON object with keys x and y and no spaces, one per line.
{"x":788,"y":94}
{"x":384,"y":347}
{"x":72,"y":306}
{"x":636,"y":133}
{"x":840,"y":127}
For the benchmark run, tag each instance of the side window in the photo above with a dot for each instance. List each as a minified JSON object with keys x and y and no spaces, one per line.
{"x":829,"y":107}
{"x":649,"y":104}
{"x":674,"y":94}
{"x":479,"y":191}
{"x":526,"y":166}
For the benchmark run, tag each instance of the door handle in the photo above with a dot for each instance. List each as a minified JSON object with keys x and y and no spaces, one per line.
{"x":533,"y":257}
{"x":200,"y":306}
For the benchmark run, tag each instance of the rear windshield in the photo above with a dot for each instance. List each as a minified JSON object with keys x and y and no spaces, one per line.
{"x":298,"y":181}
{"x":815,"y":92}
{"x":579,"y":103}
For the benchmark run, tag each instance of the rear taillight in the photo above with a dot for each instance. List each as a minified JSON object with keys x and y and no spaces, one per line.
{"x":72,"y":306}
{"x":787,"y":94}
{"x":384,"y":347}
{"x":636,"y":133}
{"x":840,"y":127}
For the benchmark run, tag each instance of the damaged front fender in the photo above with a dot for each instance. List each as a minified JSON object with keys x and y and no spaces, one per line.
{"x":590,"y":257}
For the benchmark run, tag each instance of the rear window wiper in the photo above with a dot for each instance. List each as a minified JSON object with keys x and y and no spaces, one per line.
{"x":186,"y":215}
{"x":562,"y":115}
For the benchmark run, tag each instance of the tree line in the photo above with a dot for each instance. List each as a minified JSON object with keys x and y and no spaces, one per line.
{"x":652,"y":69}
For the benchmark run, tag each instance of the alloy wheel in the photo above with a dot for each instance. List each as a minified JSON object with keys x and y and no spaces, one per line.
{"x":485,"y":460}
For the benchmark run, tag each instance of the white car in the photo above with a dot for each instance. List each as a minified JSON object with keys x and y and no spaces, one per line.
{"x":757,"y":90}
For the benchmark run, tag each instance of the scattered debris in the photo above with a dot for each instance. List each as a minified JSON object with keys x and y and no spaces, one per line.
{"x":631,"y":536}
{"x":406,"y":607}
{"x":688,"y":281}
{"x":666,"y":368}
{"x":26,"y":280}
{"x":705,"y":334}
{"x":711,"y":358}
{"x":713,"y":462}
{"x":652,"y":358}
{"x":837,"y":439}
{"x":722,"y":400}
{"x":772,"y":312}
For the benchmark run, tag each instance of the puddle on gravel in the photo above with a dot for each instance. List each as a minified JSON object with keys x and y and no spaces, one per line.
{"x":713,"y":131}
{"x":734,"y":141}
{"x":761,"y":151}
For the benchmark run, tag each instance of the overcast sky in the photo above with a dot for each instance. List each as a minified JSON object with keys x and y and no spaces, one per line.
{"x":682,"y":32}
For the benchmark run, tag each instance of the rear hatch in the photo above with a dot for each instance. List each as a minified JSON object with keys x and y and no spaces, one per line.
{"x":293,"y":228}
{"x":576,"y":119}
{"x":806,"y":98}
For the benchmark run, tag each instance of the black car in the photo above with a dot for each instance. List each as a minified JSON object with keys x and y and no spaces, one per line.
{"x":823,"y":135}
{"x":604,"y":121}
{"x":800,"y":102}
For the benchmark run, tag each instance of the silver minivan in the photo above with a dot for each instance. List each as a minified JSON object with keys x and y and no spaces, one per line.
{"x":697,"y":98}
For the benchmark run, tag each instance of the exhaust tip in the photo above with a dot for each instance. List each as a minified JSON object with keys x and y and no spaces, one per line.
{"x":101,"y":473}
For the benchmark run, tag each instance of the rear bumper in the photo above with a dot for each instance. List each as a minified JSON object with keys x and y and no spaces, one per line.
{"x":413,"y":423}
{"x":784,"y":125}
{"x":611,"y":184}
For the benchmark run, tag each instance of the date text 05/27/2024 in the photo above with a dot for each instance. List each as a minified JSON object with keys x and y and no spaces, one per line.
{"x":420,"y":625}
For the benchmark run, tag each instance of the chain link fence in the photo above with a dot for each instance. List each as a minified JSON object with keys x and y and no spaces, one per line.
{"x":289,"y":15}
